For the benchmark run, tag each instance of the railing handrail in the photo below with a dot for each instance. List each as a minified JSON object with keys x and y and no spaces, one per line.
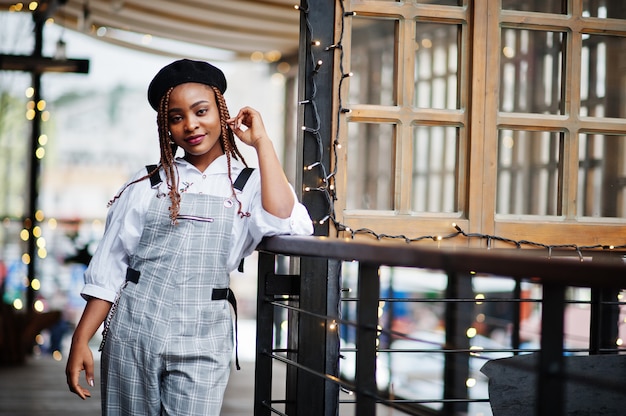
{"x":524,"y":263}
{"x":316,"y":294}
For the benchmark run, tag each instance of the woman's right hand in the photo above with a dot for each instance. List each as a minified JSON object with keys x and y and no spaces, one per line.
{"x":81,"y":357}
{"x":79,"y":360}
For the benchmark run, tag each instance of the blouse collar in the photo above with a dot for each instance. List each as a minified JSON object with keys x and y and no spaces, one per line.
{"x":218,"y":166}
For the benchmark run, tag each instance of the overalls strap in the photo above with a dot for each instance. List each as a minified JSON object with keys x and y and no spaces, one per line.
{"x":155,"y":178}
{"x":243,"y":177}
{"x":240,"y":182}
{"x":219,"y":294}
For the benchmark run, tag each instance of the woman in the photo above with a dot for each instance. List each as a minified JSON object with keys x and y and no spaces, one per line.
{"x":160,"y":275}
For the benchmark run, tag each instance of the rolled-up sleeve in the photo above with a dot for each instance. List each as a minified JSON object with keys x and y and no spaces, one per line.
{"x":298,"y":223}
{"x":261,"y":223}
{"x":106,"y":272}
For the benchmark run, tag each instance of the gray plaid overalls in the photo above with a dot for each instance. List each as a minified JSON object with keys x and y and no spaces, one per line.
{"x":169,"y":343}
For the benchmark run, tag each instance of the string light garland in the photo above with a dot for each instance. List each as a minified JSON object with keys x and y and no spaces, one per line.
{"x":489,"y":238}
{"x":327,"y":179}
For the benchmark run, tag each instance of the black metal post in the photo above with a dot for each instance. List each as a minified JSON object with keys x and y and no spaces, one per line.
{"x":517,"y":315}
{"x":315,"y":92}
{"x":313,"y":344}
{"x":551,"y":383}
{"x":605,"y":313}
{"x":333,"y":301}
{"x":264,"y":337}
{"x":366,"y":334}
{"x":458,"y":318}
{"x":604,"y":326}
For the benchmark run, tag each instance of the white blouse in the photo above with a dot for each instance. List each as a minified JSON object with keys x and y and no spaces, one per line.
{"x":125,"y":221}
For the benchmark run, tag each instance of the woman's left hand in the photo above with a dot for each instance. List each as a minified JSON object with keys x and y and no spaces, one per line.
{"x":254,"y":130}
{"x":276,"y":194}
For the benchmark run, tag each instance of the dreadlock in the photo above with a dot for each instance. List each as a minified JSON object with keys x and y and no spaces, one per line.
{"x":227,"y":141}
{"x":168,"y":153}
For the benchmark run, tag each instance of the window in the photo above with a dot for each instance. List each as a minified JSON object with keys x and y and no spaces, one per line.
{"x":507,"y":117}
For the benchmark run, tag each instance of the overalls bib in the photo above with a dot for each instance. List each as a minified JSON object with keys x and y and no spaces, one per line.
{"x":169,"y":343}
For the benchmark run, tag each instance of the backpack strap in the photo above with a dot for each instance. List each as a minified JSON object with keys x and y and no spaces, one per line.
{"x":155,"y":178}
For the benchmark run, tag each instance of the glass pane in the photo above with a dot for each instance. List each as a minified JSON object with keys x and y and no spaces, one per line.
{"x":16,"y":32}
{"x":441,"y":2}
{"x":14,"y":270}
{"x":373,"y":61}
{"x":15,"y":132}
{"x":15,"y":127}
{"x":601,"y":82}
{"x":435,"y":162}
{"x":370,"y":166}
{"x":436,"y":66}
{"x":531,"y":71}
{"x":437,"y":2}
{"x":528,"y":172}
{"x":614,"y":9}
{"x":602,"y":176}
{"x":542,"y":6}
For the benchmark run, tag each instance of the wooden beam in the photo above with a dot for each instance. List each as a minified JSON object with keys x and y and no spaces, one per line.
{"x":40,"y":64}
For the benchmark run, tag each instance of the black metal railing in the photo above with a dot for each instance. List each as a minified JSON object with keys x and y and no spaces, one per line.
{"x":348,"y":327}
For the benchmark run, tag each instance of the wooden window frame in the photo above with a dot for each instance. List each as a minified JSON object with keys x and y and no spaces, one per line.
{"x":479,"y":120}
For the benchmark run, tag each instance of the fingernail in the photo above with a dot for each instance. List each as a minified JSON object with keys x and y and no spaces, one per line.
{"x":91,"y":382}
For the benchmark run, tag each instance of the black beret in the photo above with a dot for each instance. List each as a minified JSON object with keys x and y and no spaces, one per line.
{"x":180,"y":72}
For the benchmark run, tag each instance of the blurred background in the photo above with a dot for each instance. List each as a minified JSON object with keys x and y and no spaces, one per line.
{"x":97,"y":130}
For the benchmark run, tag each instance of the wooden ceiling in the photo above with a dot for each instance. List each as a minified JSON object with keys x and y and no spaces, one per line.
{"x":240,"y":28}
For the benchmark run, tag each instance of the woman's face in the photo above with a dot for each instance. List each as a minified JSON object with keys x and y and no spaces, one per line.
{"x":194,"y":122}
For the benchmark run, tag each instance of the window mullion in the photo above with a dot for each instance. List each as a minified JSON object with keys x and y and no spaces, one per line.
{"x":571,"y":102}
{"x":404,"y":134}
{"x":483,"y":117}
